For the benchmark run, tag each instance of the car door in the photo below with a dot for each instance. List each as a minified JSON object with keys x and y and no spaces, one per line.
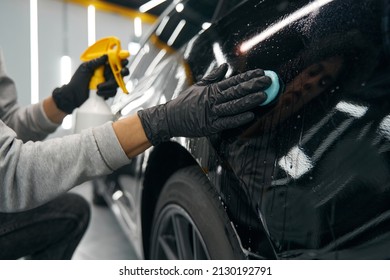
{"x":315,"y":158}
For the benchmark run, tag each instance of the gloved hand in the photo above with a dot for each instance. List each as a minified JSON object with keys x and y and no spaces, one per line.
{"x":72,"y":95}
{"x":207,"y":107}
{"x":108,"y":88}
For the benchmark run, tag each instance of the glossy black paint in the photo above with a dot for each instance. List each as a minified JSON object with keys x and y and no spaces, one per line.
{"x":309,"y":178}
{"x":313,"y":166}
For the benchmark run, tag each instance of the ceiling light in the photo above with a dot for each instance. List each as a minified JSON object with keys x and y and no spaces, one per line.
{"x":179,"y":7}
{"x":176,"y":32}
{"x":138,"y":27}
{"x":134,"y":48}
{"x":67,"y":122}
{"x":150,"y":5}
{"x":161,"y":26}
{"x":206,"y":25}
{"x":91,"y":25}
{"x":66,"y":69}
{"x":34,"y":51}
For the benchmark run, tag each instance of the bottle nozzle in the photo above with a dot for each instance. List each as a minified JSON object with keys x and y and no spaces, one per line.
{"x":111,"y":46}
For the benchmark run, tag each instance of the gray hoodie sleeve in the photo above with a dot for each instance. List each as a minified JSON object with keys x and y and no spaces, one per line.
{"x":33,"y":173}
{"x":29,"y":122}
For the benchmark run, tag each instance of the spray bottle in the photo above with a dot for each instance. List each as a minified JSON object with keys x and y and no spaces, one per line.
{"x":95,"y":111}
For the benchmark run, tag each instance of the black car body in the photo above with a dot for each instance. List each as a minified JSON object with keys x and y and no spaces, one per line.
{"x":309,"y":178}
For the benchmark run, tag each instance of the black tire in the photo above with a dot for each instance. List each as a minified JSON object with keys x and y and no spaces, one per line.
{"x":190,"y":221}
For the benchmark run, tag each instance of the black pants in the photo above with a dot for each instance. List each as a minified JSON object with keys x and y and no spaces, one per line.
{"x":49,"y":232}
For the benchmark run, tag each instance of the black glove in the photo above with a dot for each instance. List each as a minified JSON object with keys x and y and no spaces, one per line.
{"x":207,"y":107}
{"x":108,"y":88}
{"x":72,"y":95}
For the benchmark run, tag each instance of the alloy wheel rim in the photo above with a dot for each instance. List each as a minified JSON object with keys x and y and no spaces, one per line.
{"x":177,"y":237}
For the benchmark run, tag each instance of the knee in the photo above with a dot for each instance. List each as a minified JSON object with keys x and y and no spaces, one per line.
{"x":78,"y":208}
{"x":81,"y":208}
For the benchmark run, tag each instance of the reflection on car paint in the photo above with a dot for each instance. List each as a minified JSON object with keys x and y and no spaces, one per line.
{"x":296,"y":203}
{"x":279,"y":25}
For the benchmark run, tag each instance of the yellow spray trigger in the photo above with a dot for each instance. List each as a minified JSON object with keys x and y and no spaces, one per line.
{"x":111,"y":46}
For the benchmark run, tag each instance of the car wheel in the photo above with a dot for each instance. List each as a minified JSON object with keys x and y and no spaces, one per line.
{"x":190,"y":221}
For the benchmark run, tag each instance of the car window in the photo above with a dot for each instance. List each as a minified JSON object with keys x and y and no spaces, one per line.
{"x":174,"y":30}
{"x":157,"y":72}
{"x":225,"y":7}
{"x":222,"y":43}
{"x":386,"y":27}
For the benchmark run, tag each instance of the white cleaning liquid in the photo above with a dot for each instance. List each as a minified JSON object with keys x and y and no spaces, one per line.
{"x":94,"y":112}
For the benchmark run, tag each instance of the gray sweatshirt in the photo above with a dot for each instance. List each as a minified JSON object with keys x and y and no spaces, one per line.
{"x":33,"y":172}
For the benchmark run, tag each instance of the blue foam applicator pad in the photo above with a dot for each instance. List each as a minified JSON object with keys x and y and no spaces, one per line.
{"x":273,"y":90}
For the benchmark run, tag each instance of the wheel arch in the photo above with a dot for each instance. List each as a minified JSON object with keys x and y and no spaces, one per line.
{"x":163,"y":161}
